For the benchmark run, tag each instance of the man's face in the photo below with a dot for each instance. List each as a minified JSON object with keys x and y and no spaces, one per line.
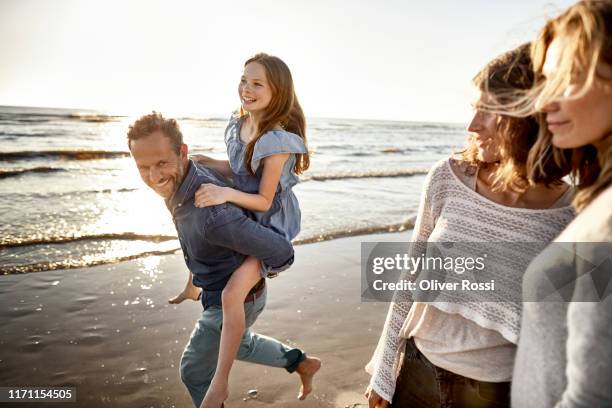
{"x":159,"y":166}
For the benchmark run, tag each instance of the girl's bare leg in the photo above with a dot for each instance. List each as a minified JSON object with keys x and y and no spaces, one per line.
{"x":236,"y":290}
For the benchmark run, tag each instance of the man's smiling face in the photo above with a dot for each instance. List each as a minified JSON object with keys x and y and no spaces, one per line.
{"x":160,"y":167}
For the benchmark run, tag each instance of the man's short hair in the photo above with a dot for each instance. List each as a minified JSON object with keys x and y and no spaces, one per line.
{"x":154,"y":122}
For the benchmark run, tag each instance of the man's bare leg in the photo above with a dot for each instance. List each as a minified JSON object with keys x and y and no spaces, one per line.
{"x":306,"y":370}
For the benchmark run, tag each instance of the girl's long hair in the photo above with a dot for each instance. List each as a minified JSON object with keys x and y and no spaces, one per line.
{"x":284,"y":108}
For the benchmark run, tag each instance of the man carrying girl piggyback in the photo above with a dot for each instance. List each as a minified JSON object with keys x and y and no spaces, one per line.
{"x":266,"y":146}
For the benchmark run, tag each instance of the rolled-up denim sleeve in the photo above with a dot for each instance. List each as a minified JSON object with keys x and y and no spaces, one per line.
{"x":231,"y":228}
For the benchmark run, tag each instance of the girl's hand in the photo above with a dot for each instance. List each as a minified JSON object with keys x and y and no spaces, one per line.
{"x":211,"y":194}
{"x":375,"y":400}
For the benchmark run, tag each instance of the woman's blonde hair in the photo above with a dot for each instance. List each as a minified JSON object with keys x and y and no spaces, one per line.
{"x":284,"y":108}
{"x":587,"y":29}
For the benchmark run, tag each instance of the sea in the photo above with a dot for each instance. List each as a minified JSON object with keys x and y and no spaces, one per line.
{"x":71,"y":196}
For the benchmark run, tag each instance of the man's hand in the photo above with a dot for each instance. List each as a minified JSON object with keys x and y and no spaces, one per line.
{"x":211,"y":194}
{"x":190,"y":292}
{"x":375,"y":400}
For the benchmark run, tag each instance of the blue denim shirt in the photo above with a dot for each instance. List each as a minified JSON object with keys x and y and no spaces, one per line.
{"x":216,"y":240}
{"x":284,"y":215}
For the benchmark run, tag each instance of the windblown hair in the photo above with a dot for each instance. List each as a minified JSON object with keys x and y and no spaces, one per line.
{"x":587,"y":28}
{"x":284,"y":108}
{"x":501,"y":80}
{"x":153,"y":122}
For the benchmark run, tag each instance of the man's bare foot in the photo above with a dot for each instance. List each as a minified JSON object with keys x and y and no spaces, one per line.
{"x":190,"y":292}
{"x":307,"y":369}
{"x":216,"y":394}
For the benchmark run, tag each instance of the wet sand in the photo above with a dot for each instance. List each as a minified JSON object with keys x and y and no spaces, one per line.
{"x":109,"y":331}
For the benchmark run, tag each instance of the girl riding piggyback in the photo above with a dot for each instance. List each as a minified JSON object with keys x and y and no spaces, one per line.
{"x":266,"y":145}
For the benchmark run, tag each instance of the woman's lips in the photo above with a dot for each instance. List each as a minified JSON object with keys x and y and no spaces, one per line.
{"x":482,"y":141}
{"x":558,"y":126}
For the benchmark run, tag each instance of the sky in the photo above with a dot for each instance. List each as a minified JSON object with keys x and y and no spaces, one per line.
{"x":408,"y":60}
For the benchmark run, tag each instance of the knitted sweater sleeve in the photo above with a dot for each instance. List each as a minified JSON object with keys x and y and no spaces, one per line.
{"x":384,"y":364}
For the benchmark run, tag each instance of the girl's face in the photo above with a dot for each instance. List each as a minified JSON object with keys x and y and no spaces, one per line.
{"x":483,"y":130}
{"x":576,"y":118}
{"x":254,"y":90}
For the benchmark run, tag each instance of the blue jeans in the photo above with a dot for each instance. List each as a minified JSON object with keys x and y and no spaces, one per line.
{"x":199,"y":359}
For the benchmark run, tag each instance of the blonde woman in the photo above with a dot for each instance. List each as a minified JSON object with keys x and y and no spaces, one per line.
{"x":564,"y":356}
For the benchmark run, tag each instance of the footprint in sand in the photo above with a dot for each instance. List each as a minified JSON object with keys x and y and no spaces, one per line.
{"x":80,"y":303}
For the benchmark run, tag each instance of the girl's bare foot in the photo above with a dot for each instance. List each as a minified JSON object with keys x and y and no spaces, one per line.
{"x":215,"y":396}
{"x":307,"y":369}
{"x":190,"y":292}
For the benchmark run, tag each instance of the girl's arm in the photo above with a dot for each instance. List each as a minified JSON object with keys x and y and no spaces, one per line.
{"x":211,"y":194}
{"x":220,"y":166}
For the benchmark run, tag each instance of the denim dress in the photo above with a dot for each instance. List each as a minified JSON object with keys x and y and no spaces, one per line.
{"x":284,"y":216}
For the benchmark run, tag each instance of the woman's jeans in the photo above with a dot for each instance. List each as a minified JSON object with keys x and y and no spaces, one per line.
{"x":199,"y":359}
{"x":424,"y":385}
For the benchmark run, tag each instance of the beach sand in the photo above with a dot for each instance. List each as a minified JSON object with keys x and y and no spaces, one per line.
{"x":109,"y":331}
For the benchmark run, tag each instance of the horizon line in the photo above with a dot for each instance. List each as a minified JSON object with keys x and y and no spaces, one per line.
{"x":220,"y":116}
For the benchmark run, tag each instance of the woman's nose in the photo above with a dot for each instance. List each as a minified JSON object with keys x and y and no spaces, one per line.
{"x":476,"y":123}
{"x":546,"y":106}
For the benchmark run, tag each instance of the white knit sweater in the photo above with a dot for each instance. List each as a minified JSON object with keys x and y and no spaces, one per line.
{"x":451,"y":212}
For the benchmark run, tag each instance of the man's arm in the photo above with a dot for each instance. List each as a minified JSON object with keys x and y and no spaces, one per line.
{"x":231,"y":228}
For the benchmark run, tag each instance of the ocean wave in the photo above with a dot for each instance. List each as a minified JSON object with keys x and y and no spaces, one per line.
{"x":350,"y":232}
{"x":404,"y":150}
{"x":34,"y":134}
{"x":88,"y":262}
{"x":77,"y":263}
{"x":131,"y":236}
{"x":361,"y":154}
{"x":26,"y":196}
{"x":366,"y":174}
{"x":62,"y":154}
{"x":47,"y":116}
{"x":203,"y":120}
{"x":339,"y":125}
{"x":87,"y":117}
{"x":21,"y":172}
{"x":414,"y":126}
